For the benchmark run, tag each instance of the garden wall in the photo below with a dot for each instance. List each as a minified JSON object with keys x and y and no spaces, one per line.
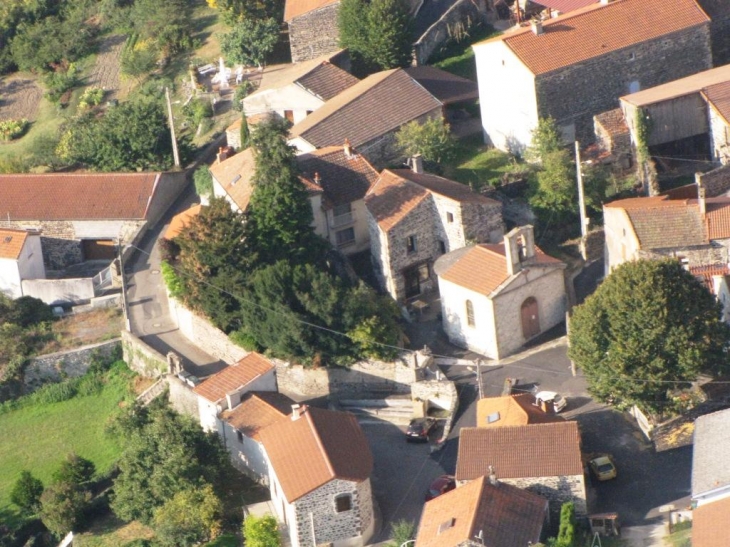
{"x":182,"y":398}
{"x":141,"y":358}
{"x":715,"y":182}
{"x":453,"y":24}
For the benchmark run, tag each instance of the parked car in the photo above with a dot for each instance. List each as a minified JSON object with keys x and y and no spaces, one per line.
{"x":546,"y":398}
{"x":419,"y":429}
{"x":445,"y":483}
{"x":603,"y":468}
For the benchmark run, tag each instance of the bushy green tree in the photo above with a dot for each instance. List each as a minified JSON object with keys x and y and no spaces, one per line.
{"x":261,"y":531}
{"x":401,"y":531}
{"x":26,"y":492}
{"x":62,"y":507}
{"x":235,"y":11}
{"x":245,"y":133}
{"x":203,"y":180}
{"x":566,"y":532}
{"x":250,"y":41}
{"x":75,"y":470}
{"x":431,"y":139}
{"x":189,"y":518}
{"x":648,"y":326}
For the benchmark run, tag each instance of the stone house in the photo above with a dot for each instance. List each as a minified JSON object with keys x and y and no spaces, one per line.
{"x":542,"y":458}
{"x":415,"y":217}
{"x":485,"y":511}
{"x":494,"y":298}
{"x":313,"y":28}
{"x":225,"y":390}
{"x":719,"y":12}
{"x":319,"y":476}
{"x":512,"y":410}
{"x":232,"y":178}
{"x":577,"y":65}
{"x":241,"y":425}
{"x":84,"y":216}
{"x":368,"y":115}
{"x":295,"y":91}
{"x":21,"y":257}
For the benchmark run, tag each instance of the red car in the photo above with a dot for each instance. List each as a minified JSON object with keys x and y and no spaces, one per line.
{"x":445,"y":483}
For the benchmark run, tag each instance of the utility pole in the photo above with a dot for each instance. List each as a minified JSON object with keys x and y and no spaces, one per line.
{"x":581,"y":203}
{"x":175,"y":153}
{"x":479,"y":379}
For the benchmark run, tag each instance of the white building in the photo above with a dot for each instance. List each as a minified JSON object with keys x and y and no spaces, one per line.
{"x":21,"y":258}
{"x":495,"y":298}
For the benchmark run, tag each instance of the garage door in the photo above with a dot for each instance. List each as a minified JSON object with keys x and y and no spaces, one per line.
{"x":99,"y":249}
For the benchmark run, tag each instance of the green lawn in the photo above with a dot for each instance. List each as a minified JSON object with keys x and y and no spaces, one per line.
{"x":477,"y":165}
{"x":38,"y":437}
{"x":459,"y":58}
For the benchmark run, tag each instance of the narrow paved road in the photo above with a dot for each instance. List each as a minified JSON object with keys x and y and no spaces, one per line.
{"x":149,"y":313}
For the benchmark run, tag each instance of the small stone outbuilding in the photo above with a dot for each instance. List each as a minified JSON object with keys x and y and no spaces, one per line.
{"x":313,"y":28}
{"x":21,"y":258}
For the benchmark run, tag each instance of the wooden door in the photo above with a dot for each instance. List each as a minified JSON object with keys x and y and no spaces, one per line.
{"x":530,"y":318}
{"x":99,"y":249}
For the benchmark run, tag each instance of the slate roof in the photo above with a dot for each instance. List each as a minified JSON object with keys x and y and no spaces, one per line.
{"x":710,"y":524}
{"x":598,"y":29}
{"x":319,"y":446}
{"x":76,"y":196}
{"x":372,"y":107}
{"x":327,"y":80}
{"x":483,"y":268}
{"x":181,"y":220}
{"x":540,"y":450}
{"x":11,"y":243}
{"x":234,"y":174}
{"x":215,"y":387}
{"x":445,"y":86}
{"x":258,"y":409}
{"x":295,"y":8}
{"x":342,"y":179}
{"x":709,"y":456}
{"x":718,"y":96}
{"x":512,"y":410}
{"x":505,"y":515}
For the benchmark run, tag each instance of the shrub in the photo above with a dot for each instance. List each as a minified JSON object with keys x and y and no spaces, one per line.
{"x":26,"y":492}
{"x":92,"y":96}
{"x":62,"y":507}
{"x":12,"y":129}
{"x":197,"y":110}
{"x":75,"y":470}
{"x":27,"y":311}
{"x":261,"y":531}
{"x":203,"y":181}
{"x":172,"y":281}
{"x":60,"y":81}
{"x":242,"y":91}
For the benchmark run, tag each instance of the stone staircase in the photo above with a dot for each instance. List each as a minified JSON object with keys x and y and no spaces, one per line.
{"x":373,"y":409}
{"x":152,"y":392}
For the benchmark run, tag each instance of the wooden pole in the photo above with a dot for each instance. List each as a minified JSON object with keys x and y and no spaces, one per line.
{"x":175,"y":153}
{"x":581,"y":203}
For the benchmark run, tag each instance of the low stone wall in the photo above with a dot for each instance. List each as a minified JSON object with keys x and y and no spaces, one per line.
{"x":441,"y":394}
{"x":56,"y":367}
{"x":203,"y":334}
{"x":715,"y":182}
{"x":142,"y":358}
{"x":182,"y":397}
{"x":454,"y":23}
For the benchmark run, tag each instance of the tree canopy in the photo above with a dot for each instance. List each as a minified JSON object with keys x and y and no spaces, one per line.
{"x":250,"y":41}
{"x":261,"y":531}
{"x":432,"y":139}
{"x":649,"y":328}
{"x":188,"y":518}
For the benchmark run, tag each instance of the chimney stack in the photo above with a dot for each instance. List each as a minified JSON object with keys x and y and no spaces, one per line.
{"x":536,"y":25}
{"x":297,"y":411}
{"x":317,"y":179}
{"x":493,"y":476}
{"x":701,"y":201}
{"x":348,"y":149}
{"x":417,"y":164}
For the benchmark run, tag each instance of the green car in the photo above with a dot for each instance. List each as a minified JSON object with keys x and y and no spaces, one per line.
{"x":603,"y":468}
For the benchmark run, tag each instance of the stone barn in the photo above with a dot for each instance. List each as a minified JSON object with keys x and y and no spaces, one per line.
{"x":313,"y":29}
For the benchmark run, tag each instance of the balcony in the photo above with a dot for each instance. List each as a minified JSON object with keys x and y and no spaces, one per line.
{"x":344,"y":219}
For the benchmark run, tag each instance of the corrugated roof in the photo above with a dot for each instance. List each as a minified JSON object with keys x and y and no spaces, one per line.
{"x":295,"y":8}
{"x":718,"y":96}
{"x":11,"y":243}
{"x":234,"y":175}
{"x":231,"y":378}
{"x":319,"y":446}
{"x":540,"y":450}
{"x":512,"y":410}
{"x":599,"y":29}
{"x":679,"y":88}
{"x":258,"y":409}
{"x":327,"y":80}
{"x":709,"y":455}
{"x":506,"y":516}
{"x":710,"y":524}
{"x":76,"y":196}
{"x":445,"y":86}
{"x":374,"y":106}
{"x":181,"y":220}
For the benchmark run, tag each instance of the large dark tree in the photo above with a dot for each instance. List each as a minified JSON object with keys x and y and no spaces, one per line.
{"x":649,"y":328}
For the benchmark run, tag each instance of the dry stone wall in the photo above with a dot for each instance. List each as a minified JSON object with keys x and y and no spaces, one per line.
{"x":142,"y":358}
{"x":453,"y":25}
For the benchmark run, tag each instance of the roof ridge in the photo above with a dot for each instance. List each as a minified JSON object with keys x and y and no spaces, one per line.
{"x":318,"y":440}
{"x":473,"y":519}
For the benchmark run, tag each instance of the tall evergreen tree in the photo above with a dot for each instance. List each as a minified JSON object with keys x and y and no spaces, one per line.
{"x":389,"y":34}
{"x":245,"y":131}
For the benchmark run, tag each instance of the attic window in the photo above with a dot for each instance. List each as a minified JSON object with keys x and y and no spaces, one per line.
{"x":343,"y":503}
{"x":494,"y":417}
{"x":446,"y":525}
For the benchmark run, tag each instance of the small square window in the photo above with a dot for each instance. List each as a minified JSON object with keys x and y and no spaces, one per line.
{"x":411,"y":244}
{"x":345,"y":237}
{"x":632,"y":56}
{"x":343,"y":503}
{"x":442,"y":247}
{"x":239,"y":436}
{"x":449,"y":217}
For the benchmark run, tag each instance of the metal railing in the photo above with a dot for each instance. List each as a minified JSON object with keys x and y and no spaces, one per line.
{"x":342,"y":220}
{"x":103,"y":280}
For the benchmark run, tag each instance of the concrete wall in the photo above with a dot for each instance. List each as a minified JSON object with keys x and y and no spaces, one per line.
{"x":169,"y":187}
{"x":10,"y":283}
{"x":456,"y":22}
{"x":30,"y":261}
{"x":55,"y":367}
{"x":719,"y":136}
{"x":314,"y":34}
{"x":441,"y":394}
{"x":182,"y":398}
{"x":58,"y":291}
{"x":247,"y":454}
{"x":359,"y":225}
{"x":622,"y":244}
{"x":142,"y":358}
{"x":290,"y":97}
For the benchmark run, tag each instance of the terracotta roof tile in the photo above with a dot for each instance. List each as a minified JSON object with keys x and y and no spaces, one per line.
{"x":319,"y":446}
{"x":233,"y":377}
{"x":718,"y":218}
{"x":505,"y":515}
{"x":445,"y":86}
{"x":392,"y":198}
{"x":278,"y":76}
{"x":295,"y":8}
{"x":709,"y":524}
{"x":342,"y":179}
{"x":540,"y":450}
{"x":76,"y":196}
{"x":372,"y":107}
{"x":565,"y":6}
{"x":613,"y":122}
{"x":704,"y":274}
{"x":327,"y":80}
{"x":11,"y":243}
{"x":181,"y":220}
{"x":234,"y":175}
{"x":660,"y":227}
{"x":257,"y":410}
{"x":444,"y":187}
{"x":512,"y":410}
{"x":598,"y":29}
{"x":719,"y":96}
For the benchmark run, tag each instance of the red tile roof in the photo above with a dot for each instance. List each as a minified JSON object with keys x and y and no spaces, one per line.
{"x":11,"y":243}
{"x":599,"y":29}
{"x":258,"y":409}
{"x":719,"y":97}
{"x":705,"y":274}
{"x":717,"y":218}
{"x":565,"y":6}
{"x":233,"y":377}
{"x":512,"y":410}
{"x":710,"y":524}
{"x":181,"y":220}
{"x":319,"y":446}
{"x":506,"y":516}
{"x":540,"y":450}
{"x":76,"y":196}
{"x":295,"y":8}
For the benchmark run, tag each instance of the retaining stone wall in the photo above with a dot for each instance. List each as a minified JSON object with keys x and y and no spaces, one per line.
{"x":715,"y":182}
{"x":142,"y":358}
{"x":182,"y":397}
{"x":314,"y":34}
{"x":55,"y":367}
{"x":456,"y":22}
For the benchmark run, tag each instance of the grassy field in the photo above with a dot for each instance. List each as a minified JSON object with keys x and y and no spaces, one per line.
{"x":477,"y":165}
{"x":42,"y":435}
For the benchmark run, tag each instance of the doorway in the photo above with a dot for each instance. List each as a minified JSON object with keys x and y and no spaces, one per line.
{"x":530,"y":318}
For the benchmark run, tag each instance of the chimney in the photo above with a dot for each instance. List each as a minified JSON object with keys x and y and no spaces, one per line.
{"x":317,"y":179}
{"x":493,"y":476}
{"x":604,"y":2}
{"x":417,"y":164}
{"x":536,"y":25}
{"x":347,"y":149}
{"x":701,"y":201}
{"x":297,"y":411}
{"x":221,"y":155}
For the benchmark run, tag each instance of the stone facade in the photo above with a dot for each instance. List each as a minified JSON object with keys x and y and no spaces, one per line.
{"x":557,"y":490}
{"x":715,"y":182}
{"x":314,"y":34}
{"x":142,"y":358}
{"x":455,"y":23}
{"x":573,"y":95}
{"x":719,"y":137}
